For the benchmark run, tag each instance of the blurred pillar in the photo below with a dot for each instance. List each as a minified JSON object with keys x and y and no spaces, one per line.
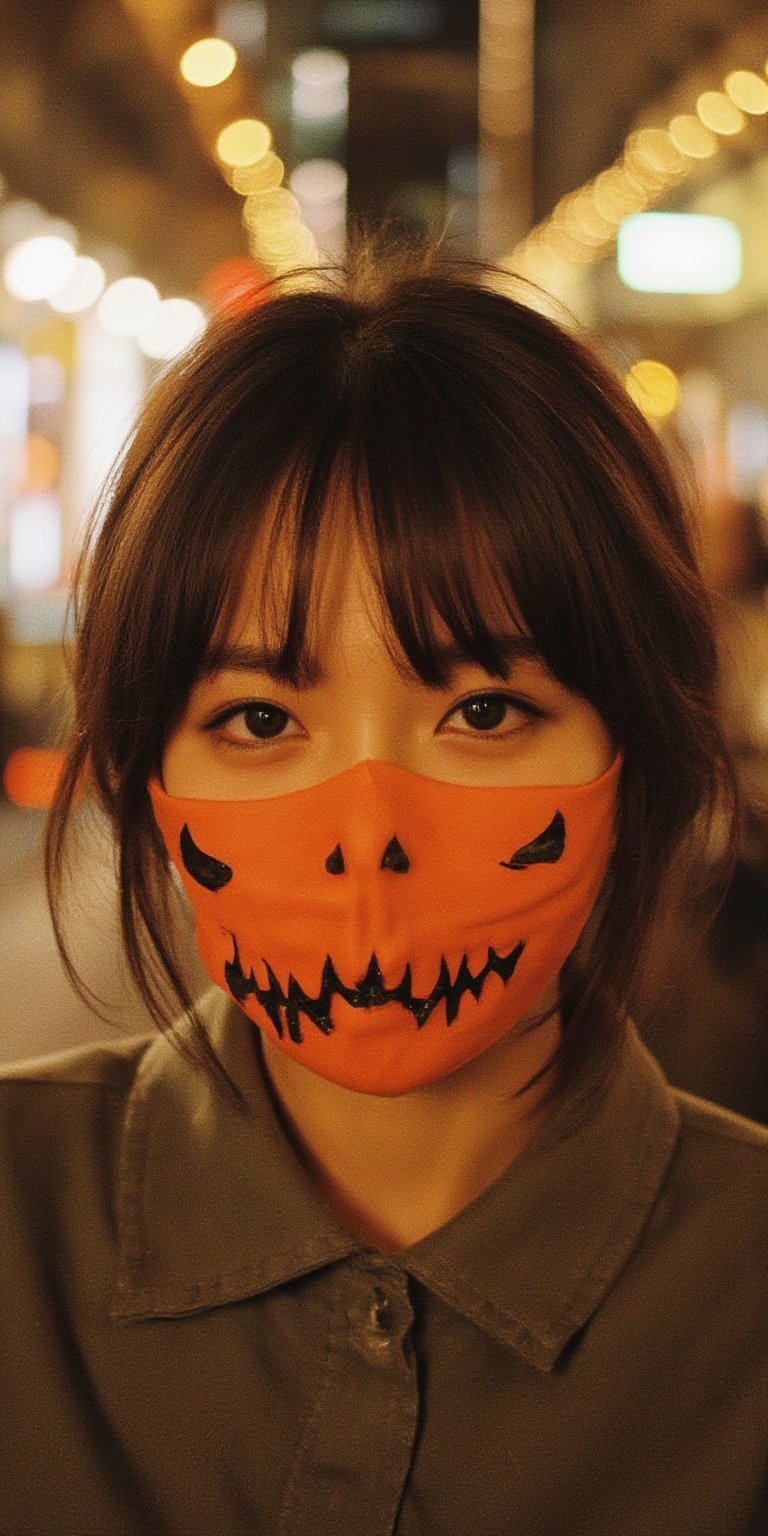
{"x":505,"y":122}
{"x":108,"y":387}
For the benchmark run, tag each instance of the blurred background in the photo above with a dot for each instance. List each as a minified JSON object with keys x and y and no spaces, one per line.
{"x":160,"y":158}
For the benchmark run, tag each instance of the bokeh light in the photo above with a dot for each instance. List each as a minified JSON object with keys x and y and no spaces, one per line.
{"x":47,"y":379}
{"x":20,"y":218}
{"x":616,"y":194}
{"x":85,"y":285}
{"x":36,"y":268}
{"x":654,"y":387}
{"x":679,"y":253}
{"x":269,"y":211}
{"x":321,"y":187}
{"x":320,"y":83}
{"x":718,"y":112}
{"x":244,"y":24}
{"x":748,"y":90}
{"x":175,"y":325}
{"x":654,"y":148}
{"x":263,"y":175}
{"x":747,"y":443}
{"x":34,"y":543}
{"x":234,"y":286}
{"x":243,"y":142}
{"x":690,"y":135}
{"x":128,"y":305}
{"x":319,"y":182}
{"x":41,"y":464}
{"x":208,"y":62}
{"x":30,"y":776}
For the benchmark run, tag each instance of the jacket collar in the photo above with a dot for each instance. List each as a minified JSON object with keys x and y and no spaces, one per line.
{"x":214,"y":1205}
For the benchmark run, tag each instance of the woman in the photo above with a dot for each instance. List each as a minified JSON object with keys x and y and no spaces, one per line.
{"x":392,"y":651}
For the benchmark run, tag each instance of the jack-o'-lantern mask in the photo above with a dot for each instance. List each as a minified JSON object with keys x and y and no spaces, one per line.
{"x":384,"y":927}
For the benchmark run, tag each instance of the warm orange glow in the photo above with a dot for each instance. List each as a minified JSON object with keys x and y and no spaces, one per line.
{"x":41,"y":468}
{"x":30,"y":776}
{"x":234,"y":286}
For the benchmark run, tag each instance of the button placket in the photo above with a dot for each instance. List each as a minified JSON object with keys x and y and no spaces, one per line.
{"x":358,"y":1442}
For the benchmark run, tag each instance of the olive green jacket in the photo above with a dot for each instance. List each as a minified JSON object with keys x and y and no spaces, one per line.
{"x":193,"y":1346}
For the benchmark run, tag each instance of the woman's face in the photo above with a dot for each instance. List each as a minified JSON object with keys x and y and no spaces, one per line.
{"x":246,"y":734}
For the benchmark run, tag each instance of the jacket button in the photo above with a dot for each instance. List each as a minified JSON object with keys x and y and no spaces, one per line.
{"x":380,"y":1317}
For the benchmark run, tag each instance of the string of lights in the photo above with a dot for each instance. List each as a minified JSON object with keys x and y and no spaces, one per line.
{"x":583,"y":227}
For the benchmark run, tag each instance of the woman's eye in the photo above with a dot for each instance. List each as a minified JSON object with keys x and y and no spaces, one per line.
{"x":486,"y":712}
{"x":249,"y":724}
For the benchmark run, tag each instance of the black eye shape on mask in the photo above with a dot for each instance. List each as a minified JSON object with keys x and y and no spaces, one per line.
{"x":203,"y":867}
{"x":547,"y":848}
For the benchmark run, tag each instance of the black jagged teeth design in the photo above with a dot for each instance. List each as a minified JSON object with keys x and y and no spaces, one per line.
{"x":368,"y":992}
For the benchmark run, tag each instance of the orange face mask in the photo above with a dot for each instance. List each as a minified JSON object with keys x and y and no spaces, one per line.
{"x":384,"y":927}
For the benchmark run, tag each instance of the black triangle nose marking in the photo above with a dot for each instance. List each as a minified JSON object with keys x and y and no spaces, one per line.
{"x":395,"y":857}
{"x":203,"y":868}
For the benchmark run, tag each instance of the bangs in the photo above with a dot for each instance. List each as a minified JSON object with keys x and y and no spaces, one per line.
{"x":438,"y":535}
{"x":440,"y":599}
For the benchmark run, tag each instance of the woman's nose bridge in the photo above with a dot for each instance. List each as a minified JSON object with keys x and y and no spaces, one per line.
{"x":371,"y":832}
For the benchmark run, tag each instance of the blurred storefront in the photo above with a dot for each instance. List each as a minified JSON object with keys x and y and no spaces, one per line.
{"x":152,"y":179}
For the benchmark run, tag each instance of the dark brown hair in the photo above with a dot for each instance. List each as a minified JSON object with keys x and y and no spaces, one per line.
{"x":479,"y":439}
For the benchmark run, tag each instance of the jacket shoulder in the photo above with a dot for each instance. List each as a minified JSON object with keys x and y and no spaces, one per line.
{"x":710,"y":1122}
{"x":721,"y":1169}
{"x":61,"y":1122}
{"x":108,"y":1065}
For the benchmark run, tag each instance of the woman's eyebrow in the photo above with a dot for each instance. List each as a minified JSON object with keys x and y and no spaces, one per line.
{"x":509,"y":647}
{"x":512,"y":648}
{"x":253,"y":658}
{"x":267,"y":660}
